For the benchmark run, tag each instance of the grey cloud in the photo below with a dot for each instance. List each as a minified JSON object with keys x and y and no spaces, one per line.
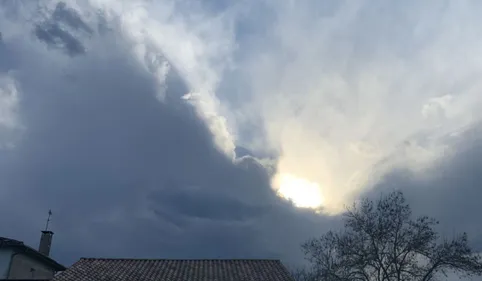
{"x":59,"y":30}
{"x":450,"y":191}
{"x":5,"y":57}
{"x":128,"y":176}
{"x":198,"y":202}
{"x":54,"y":36}
{"x":70,"y":17}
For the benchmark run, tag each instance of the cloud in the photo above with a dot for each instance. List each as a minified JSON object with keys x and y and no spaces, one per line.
{"x":197,"y":44}
{"x":448,"y":190}
{"x":10,"y":125}
{"x":345,"y":92}
{"x":59,"y":28}
{"x":128,"y":167}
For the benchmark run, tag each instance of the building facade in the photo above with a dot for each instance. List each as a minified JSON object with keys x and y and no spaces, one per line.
{"x":19,"y":261}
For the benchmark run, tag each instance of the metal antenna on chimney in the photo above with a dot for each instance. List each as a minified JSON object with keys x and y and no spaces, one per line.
{"x":48,"y":220}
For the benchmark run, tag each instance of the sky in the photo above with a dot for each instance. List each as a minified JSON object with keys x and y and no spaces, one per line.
{"x":233,"y":129}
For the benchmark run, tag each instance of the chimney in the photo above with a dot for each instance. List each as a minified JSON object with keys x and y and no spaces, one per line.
{"x":45,"y":242}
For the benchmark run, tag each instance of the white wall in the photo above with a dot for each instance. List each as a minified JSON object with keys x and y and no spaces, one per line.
{"x":5,"y":256}
{"x":25,"y":267}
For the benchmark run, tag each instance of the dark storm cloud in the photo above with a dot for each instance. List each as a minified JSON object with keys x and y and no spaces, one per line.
{"x":5,"y":58}
{"x":127,"y":175}
{"x":58,"y":31}
{"x":54,"y":36}
{"x":70,"y":17}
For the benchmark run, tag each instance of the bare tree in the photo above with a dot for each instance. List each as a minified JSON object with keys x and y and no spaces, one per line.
{"x":382,"y":242}
{"x":303,"y":274}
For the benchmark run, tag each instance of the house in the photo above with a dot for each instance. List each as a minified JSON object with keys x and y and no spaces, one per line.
{"x":96,"y":269}
{"x":19,"y":261}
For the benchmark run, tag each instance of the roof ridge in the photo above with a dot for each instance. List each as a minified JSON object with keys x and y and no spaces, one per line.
{"x":181,"y":259}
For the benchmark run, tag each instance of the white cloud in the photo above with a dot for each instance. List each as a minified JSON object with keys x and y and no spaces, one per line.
{"x":350,"y":90}
{"x":197,"y":44}
{"x":9,"y":103}
{"x":162,"y":36}
{"x":9,"y":98}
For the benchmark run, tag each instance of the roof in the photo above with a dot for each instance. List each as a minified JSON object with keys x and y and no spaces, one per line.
{"x":93,"y":269}
{"x":19,"y":246}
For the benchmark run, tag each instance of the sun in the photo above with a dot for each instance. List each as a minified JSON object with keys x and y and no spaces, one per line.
{"x":302,"y":192}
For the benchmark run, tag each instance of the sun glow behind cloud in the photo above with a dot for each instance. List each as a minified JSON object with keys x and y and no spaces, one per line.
{"x":302,"y":192}
{"x":343,"y":92}
{"x":348,"y":94}
{"x":340,"y":110}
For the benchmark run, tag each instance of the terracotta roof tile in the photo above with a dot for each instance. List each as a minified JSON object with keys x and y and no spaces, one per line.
{"x":93,"y":269}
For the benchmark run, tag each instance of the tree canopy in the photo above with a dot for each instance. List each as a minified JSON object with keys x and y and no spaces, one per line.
{"x":381,"y":241}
